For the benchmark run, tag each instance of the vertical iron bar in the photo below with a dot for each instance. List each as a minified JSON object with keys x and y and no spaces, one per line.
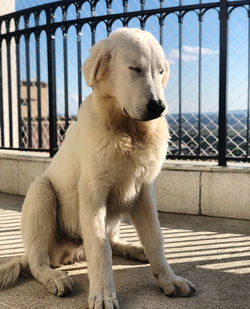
{"x":65,"y":71}
{"x":161,"y":22}
{"x":79,"y":65}
{"x":142,"y":21}
{"x":223,"y":84}
{"x":125,"y":10}
{"x":18,"y":91}
{"x":66,"y":90}
{"x":52,"y":84}
{"x":108,"y":24}
{"x":199,"y":89}
{"x":108,"y":4}
{"x":125,"y":6}
{"x":248,"y":87}
{"x":93,"y":35}
{"x":92,"y":25}
{"x":142,"y":5}
{"x":93,"y":5}
{"x":79,"y":58}
{"x":27,"y":55}
{"x":180,"y":80}
{"x":38,"y":84}
{"x":9,"y":93}
{"x":1,"y":99}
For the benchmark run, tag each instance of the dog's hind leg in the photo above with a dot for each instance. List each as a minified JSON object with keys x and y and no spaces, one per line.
{"x":39,"y":230}
{"x":123,"y":248}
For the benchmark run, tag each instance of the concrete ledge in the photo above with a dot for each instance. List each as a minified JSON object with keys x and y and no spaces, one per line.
{"x":204,"y":189}
{"x":189,"y":188}
{"x":18,"y":171}
{"x":226,"y":195}
{"x":178,"y":191}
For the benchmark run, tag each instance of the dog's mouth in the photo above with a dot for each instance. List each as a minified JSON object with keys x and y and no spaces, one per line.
{"x":147,"y":117}
{"x":151,"y":116}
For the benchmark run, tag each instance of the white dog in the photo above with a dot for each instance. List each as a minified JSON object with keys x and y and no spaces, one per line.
{"x":105,"y":168}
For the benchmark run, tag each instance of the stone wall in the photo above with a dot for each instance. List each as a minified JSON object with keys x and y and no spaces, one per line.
{"x":180,"y":188}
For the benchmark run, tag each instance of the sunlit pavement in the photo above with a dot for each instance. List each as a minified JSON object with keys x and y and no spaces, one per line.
{"x":213,"y":253}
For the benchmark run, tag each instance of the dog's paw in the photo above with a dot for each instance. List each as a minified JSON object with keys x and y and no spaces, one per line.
{"x":137,"y":252}
{"x":59,"y":284}
{"x":103,"y":301}
{"x":130,"y":251}
{"x":176,"y":286}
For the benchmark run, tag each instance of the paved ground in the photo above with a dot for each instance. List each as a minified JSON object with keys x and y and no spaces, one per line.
{"x":213,"y":253}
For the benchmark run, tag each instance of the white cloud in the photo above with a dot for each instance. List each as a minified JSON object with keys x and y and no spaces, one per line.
{"x":73,"y":97}
{"x":171,"y":62}
{"x":173,"y":54}
{"x":195,"y":50}
{"x":189,"y":53}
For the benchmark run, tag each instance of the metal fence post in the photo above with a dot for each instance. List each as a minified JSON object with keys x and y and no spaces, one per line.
{"x":223,"y":84}
{"x":1,"y":100}
{"x":52,"y":86}
{"x":180,"y":81}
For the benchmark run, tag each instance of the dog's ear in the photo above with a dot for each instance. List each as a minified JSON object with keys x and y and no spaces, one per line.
{"x":165,"y":74}
{"x":97,"y":64}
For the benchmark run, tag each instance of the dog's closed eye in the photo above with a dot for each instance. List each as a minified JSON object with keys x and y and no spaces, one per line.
{"x":136,"y":69}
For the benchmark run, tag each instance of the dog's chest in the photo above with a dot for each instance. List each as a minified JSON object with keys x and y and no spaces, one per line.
{"x":133,"y":157}
{"x":124,"y":189}
{"x":129,"y":173}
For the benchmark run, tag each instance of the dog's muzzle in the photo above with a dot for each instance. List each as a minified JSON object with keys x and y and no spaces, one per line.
{"x":154,"y":109}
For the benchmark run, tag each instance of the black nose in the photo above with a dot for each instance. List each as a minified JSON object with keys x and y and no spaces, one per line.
{"x":155,"y":107}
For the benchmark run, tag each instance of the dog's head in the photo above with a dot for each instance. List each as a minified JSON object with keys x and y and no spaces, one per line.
{"x":133,"y":63}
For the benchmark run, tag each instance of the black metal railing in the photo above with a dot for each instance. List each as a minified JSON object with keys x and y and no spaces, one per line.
{"x":32,"y":83}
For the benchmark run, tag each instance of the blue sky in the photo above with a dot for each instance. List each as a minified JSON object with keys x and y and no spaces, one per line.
{"x":237,"y":62}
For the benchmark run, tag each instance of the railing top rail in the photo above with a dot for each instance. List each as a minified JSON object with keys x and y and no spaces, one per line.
{"x":167,"y":10}
{"x":143,"y":14}
{"x":54,"y":5}
{"x":39,"y":8}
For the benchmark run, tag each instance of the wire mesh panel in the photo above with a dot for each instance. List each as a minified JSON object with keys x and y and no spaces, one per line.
{"x":33,"y":86}
{"x":193,"y":106}
{"x":238,"y":84}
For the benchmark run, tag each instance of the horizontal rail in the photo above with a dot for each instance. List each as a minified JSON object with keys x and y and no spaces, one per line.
{"x":25,"y":149}
{"x":189,"y":157}
{"x":163,"y":12}
{"x":55,"y":5}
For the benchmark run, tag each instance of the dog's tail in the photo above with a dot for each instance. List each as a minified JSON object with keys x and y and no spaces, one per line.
{"x":10,"y":271}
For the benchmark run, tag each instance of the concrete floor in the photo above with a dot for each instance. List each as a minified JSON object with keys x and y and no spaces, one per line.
{"x":213,"y":253}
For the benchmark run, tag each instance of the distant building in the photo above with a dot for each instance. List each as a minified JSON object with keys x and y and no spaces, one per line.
{"x":44,"y":120}
{"x":34,"y":100}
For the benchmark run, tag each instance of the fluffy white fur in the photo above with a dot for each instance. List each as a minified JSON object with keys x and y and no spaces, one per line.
{"x":105,"y":168}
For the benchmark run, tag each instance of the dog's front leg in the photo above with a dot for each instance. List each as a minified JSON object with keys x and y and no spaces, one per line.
{"x":145,"y":218}
{"x":98,"y":253}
